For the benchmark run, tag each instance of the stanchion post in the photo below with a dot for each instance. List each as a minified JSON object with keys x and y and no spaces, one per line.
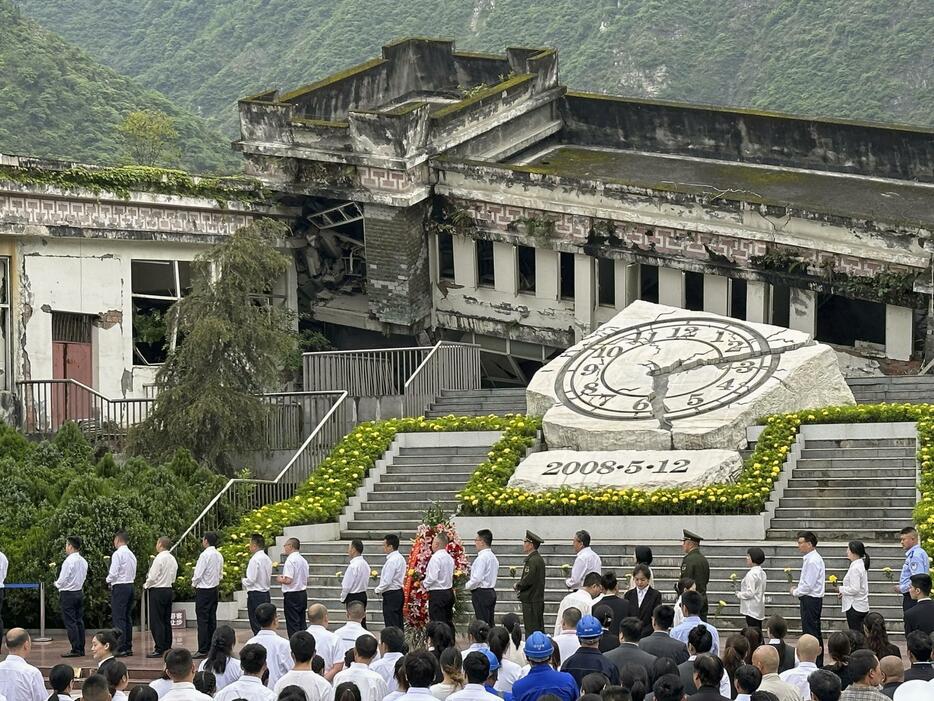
{"x":43,"y":638}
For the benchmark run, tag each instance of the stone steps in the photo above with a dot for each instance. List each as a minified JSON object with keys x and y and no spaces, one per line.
{"x":479,"y":402}
{"x":909,"y":389}
{"x":862,"y":443}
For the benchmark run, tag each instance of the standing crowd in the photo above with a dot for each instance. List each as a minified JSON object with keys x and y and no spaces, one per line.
{"x":606,"y":645}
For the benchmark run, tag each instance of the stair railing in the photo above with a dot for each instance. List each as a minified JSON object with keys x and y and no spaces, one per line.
{"x":240,"y":496}
{"x":448,"y":366}
{"x":379,"y":372}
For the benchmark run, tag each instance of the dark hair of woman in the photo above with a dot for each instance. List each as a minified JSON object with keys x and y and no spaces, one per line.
{"x":347,"y":691}
{"x":734,"y":654}
{"x":222,"y":644}
{"x":644,"y":554}
{"x":115,"y":672}
{"x":857,"y":548}
{"x":512,"y":623}
{"x":452,"y":666}
{"x":109,"y":638}
{"x":205,"y":682}
{"x":60,"y":677}
{"x":636,"y":679}
{"x":143,"y":692}
{"x":754,"y":637}
{"x":877,"y":637}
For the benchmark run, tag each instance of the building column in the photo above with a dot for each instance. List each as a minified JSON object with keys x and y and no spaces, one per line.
{"x":717,"y":294}
{"x":757,"y":301}
{"x":465,"y":262}
{"x":670,"y":287}
{"x":627,"y":283}
{"x":584,"y":302}
{"x":898,"y":332}
{"x":546,"y":273}
{"x":802,"y":313}
{"x":506,"y":268}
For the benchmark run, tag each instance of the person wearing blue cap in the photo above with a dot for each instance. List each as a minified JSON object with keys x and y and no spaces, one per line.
{"x":478,"y":668}
{"x":490,"y":684}
{"x":588,"y":657}
{"x":542,"y":678}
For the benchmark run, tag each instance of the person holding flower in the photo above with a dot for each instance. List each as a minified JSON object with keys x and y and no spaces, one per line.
{"x":751,"y":592}
{"x":854,"y":591}
{"x":356,"y":576}
{"x":391,"y":581}
{"x":439,"y":581}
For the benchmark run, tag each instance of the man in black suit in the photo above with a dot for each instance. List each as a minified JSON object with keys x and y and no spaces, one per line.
{"x":919,"y":652}
{"x":921,"y":615}
{"x":643,"y":597}
{"x":708,"y":671}
{"x":628,"y":651}
{"x":659,"y":643}
{"x":621,"y":608}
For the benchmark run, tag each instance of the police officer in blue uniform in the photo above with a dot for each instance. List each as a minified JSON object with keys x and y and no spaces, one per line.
{"x":542,"y":677}
{"x":916,"y":562}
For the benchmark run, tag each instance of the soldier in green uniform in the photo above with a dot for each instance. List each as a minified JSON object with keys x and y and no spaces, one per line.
{"x":695,"y":566}
{"x":531,"y":586}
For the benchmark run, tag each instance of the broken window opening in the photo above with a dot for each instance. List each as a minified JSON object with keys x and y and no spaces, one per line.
{"x":737,"y":299}
{"x":846,"y":321}
{"x":648,"y":283}
{"x":156,"y":286}
{"x":445,"y":256}
{"x":781,"y":306}
{"x":694,"y":291}
{"x":606,"y":282}
{"x":566,"y":275}
{"x":526,"y":256}
{"x":333,"y":261}
{"x":486,"y":276}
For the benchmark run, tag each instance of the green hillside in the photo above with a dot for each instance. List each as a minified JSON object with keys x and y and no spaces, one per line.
{"x":57,"y":102}
{"x":861,"y":59}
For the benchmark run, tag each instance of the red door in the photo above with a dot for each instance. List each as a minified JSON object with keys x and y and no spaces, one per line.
{"x":71,"y":361}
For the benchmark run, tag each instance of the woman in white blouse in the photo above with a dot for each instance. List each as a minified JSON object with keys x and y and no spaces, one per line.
{"x":751,"y":592}
{"x":220,"y":660}
{"x":854,"y":591}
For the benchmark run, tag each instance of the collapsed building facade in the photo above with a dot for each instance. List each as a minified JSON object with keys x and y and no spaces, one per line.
{"x":440,"y":194}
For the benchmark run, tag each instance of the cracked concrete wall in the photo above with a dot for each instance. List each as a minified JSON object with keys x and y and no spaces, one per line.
{"x":84,"y":277}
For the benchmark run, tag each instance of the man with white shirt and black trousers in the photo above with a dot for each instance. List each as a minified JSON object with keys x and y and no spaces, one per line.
{"x":120,"y":579}
{"x":158,"y":586}
{"x":294,"y":581}
{"x":439,"y":582}
{"x":482,"y":582}
{"x":810,"y":589}
{"x":356,"y":576}
{"x":70,"y":585}
{"x":258,"y":579}
{"x":585,"y":562}
{"x":205,"y":580}
{"x":391,"y":578}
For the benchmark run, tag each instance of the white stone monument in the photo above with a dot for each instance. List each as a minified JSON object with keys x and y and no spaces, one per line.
{"x":662,"y":378}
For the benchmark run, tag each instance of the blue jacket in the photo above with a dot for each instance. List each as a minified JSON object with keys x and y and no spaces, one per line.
{"x":504,"y":695}
{"x":542,"y":679}
{"x":587,"y":660}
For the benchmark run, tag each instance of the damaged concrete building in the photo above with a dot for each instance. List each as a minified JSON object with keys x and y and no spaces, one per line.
{"x":441,"y":194}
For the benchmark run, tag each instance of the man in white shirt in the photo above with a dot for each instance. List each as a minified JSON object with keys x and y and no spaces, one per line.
{"x":566,"y":639}
{"x":810,"y":589}
{"x":70,"y":585}
{"x":391,"y":648}
{"x":587,"y":561}
{"x":19,"y":680}
{"x":327,"y":643}
{"x":180,"y":667}
{"x":158,"y":584}
{"x":278,"y":652}
{"x":4,"y":564}
{"x":315,"y":686}
{"x":348,"y":633}
{"x":391,"y":578}
{"x":439,"y":582}
{"x":205,"y":580}
{"x":371,"y":684}
{"x":120,"y":578}
{"x":258,"y":577}
{"x":477,"y":672}
{"x":356,"y":576}
{"x":294,"y":581}
{"x":583,"y":599}
{"x":806,"y":651}
{"x":250,"y":685}
{"x":482,"y":582}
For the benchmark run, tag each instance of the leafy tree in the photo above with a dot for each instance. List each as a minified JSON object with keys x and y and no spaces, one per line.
{"x":149,"y":137}
{"x":234,"y":345}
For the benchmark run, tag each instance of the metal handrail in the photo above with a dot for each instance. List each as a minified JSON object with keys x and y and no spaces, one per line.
{"x":280,"y":487}
{"x":434,"y":375}
{"x":369,"y":372}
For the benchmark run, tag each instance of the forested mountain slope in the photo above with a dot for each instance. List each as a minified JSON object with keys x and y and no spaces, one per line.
{"x":861,"y":59}
{"x":57,"y":102}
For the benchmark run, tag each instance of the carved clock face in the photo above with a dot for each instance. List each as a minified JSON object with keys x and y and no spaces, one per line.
{"x":672,"y":368}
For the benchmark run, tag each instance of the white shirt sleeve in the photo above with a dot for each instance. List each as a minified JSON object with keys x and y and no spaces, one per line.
{"x":392,"y":575}
{"x":587,"y":561}
{"x":4,"y":565}
{"x":480,"y":570}
{"x":355,"y":577}
{"x":811,"y":582}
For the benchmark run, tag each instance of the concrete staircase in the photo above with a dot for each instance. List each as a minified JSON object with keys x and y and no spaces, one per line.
{"x":846,"y":489}
{"x":894,"y":389}
{"x":479,"y":402}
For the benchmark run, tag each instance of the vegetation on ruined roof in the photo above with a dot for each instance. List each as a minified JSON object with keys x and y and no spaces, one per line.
{"x":478,"y":96}
{"x":57,"y":102}
{"x":333,"y":79}
{"x":124,"y":180}
{"x":855,"y":59}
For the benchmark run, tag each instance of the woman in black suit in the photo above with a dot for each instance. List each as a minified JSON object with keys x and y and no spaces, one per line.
{"x":643,"y":597}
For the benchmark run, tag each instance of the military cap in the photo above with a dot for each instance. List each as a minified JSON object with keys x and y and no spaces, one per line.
{"x":688,"y":535}
{"x":534,"y":539}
